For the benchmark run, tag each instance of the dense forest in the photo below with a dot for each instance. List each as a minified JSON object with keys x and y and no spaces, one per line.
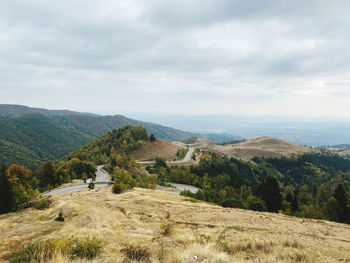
{"x":313,"y":185}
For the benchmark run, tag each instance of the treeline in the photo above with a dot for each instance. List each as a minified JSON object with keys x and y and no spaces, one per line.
{"x":313,"y":185}
{"x":117,"y":142}
{"x":19,"y":185}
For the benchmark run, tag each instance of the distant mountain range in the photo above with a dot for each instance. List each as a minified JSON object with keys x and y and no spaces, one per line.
{"x":32,"y":135}
{"x":305,"y":131}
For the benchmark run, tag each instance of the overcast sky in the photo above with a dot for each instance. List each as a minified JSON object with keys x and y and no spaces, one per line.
{"x":258,"y":57}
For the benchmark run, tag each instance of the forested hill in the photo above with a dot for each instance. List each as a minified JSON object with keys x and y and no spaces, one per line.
{"x":33,"y":138}
{"x":10,"y":110}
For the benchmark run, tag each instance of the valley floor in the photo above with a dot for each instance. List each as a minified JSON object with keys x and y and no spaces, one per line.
{"x":176,"y":229}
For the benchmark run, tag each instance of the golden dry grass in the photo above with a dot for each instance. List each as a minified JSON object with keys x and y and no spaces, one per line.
{"x":175,"y":229}
{"x":267,"y":147}
{"x":149,"y":150}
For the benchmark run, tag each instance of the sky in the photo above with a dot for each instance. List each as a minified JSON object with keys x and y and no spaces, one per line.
{"x":280,"y":58}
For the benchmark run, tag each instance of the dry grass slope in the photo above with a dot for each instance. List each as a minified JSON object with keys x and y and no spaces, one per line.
{"x":149,"y":150}
{"x":267,"y":147}
{"x":151,"y":226}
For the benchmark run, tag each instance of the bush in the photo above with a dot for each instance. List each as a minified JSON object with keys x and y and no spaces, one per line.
{"x":43,"y":204}
{"x":232,"y":202}
{"x":152,"y":138}
{"x":60,"y":217}
{"x":117,"y":188}
{"x":44,"y":251}
{"x":87,"y":248}
{"x":137,"y":253}
{"x":167,"y":229}
{"x":256,"y":204}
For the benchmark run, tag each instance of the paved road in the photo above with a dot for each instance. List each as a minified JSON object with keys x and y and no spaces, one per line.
{"x":101,"y":175}
{"x":183,"y":187}
{"x":70,"y":189}
{"x":185,"y":160}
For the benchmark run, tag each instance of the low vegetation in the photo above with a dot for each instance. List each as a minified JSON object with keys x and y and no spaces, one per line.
{"x":45,"y":251}
{"x":181,"y":153}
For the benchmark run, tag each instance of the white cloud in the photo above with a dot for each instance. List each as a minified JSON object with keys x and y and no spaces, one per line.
{"x":190,"y":56}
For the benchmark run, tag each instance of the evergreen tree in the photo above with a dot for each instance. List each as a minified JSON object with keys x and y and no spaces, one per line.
{"x":152,"y":138}
{"x":340,"y":196}
{"x":269,"y":192}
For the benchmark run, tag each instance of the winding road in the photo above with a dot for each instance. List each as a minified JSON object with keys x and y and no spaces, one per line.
{"x":103,"y":179}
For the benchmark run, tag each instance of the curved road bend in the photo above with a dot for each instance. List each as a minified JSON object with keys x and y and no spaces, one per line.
{"x":101,"y":177}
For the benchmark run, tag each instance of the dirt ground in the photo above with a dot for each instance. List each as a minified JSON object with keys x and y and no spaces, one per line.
{"x":176,"y":229}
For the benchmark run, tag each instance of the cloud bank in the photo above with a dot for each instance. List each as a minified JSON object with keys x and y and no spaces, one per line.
{"x":197,"y":57}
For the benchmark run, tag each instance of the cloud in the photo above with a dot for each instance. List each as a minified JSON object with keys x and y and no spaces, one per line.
{"x":185,"y":56}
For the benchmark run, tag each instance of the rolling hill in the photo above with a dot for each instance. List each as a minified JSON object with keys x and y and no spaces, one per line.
{"x":267,"y":147}
{"x":34,"y":138}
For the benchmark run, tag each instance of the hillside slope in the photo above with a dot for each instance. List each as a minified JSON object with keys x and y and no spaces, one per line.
{"x":34,"y":138}
{"x":199,"y":232}
{"x":10,"y":110}
{"x":30,"y":136}
{"x":267,"y":147}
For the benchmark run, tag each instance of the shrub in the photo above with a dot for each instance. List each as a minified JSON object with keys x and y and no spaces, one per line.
{"x":60,"y":217}
{"x":232,"y":202}
{"x":167,"y":229}
{"x":152,"y":138}
{"x":140,"y":254}
{"x":117,"y":188}
{"x":43,"y":204}
{"x":87,"y":248}
{"x":256,"y":204}
{"x":46,"y":250}
{"x":25,"y":254}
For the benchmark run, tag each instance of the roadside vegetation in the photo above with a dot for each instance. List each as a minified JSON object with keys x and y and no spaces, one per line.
{"x":19,"y":185}
{"x":312,"y":185}
{"x":181,"y":153}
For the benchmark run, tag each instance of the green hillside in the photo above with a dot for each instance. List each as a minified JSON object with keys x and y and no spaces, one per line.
{"x":34,"y":138}
{"x":30,"y":136}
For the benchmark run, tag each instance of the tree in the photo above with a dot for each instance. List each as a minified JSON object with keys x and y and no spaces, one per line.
{"x":333,"y":209}
{"x":340,"y":196}
{"x":21,"y":184}
{"x":47,"y":174}
{"x":122,"y":180}
{"x":269,"y":192}
{"x":6,"y":195}
{"x":152,"y":138}
{"x":160,"y":162}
